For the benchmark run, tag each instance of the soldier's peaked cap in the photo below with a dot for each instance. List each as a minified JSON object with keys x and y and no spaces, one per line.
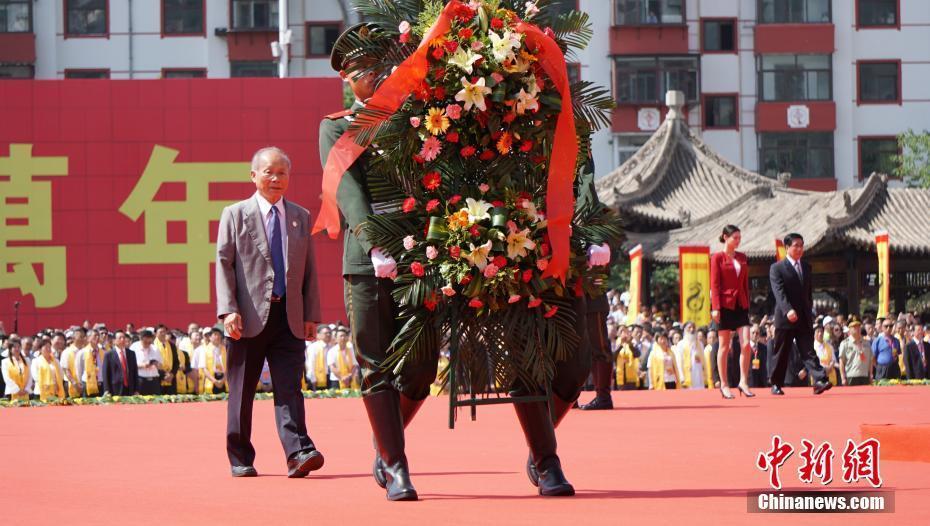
{"x":338,"y":54}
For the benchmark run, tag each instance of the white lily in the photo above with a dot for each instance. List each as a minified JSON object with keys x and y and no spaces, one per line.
{"x":519,"y":243}
{"x":478,"y":210}
{"x":464,"y":59}
{"x":503,"y":46}
{"x":478,"y":256}
{"x":473,"y":94}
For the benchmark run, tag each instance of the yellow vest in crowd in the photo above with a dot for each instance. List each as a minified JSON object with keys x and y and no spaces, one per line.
{"x":90,"y":370}
{"x":19,"y":373}
{"x":49,"y":378}
{"x":708,"y":372}
{"x":167,"y":360}
{"x":657,"y":367}
{"x":319,"y":368}
{"x":69,"y":356}
{"x":344,"y":368}
{"x":210,"y":368}
{"x":184,"y":383}
{"x":627,"y":366}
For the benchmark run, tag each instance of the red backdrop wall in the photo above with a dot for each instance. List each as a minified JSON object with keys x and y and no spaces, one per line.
{"x":107,"y":132}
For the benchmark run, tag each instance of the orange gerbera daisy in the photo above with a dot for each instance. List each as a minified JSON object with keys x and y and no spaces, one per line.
{"x":436,"y":121}
{"x":459,"y":220}
{"x":504,"y":143}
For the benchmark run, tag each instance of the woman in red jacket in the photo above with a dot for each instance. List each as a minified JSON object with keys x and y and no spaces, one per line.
{"x":729,"y":299}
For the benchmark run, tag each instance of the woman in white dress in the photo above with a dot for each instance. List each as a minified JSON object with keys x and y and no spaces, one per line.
{"x":690,"y":355}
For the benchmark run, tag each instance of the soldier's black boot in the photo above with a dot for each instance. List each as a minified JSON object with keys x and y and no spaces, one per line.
{"x":388,"y":427}
{"x":408,"y":409}
{"x":560,"y":408}
{"x":540,"y":437}
{"x":602,"y":400}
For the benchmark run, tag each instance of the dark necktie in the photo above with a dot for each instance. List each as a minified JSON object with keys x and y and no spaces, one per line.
{"x":797,"y":268}
{"x":122,"y":362}
{"x":277,"y":255}
{"x":920,"y":349}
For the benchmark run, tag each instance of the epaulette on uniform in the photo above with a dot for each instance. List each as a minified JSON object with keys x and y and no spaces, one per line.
{"x":339,"y":115}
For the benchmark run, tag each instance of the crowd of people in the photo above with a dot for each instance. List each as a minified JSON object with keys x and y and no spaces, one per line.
{"x":656,"y":351}
{"x":92,"y":360}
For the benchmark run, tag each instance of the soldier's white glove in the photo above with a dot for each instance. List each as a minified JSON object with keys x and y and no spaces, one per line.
{"x":598,"y":255}
{"x":385,"y":266}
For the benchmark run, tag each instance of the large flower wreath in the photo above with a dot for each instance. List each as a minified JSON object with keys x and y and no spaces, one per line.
{"x":473,"y":140}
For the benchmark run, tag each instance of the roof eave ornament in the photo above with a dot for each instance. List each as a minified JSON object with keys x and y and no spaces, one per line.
{"x":675,"y":100}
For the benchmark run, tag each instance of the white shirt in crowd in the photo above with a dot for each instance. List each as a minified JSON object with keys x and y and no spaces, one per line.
{"x":81,"y":357}
{"x":10,"y":386}
{"x":144,"y":355}
{"x":199,"y":360}
{"x":314,"y":349}
{"x":34,"y":371}
{"x":696,"y":366}
{"x":332,"y":360}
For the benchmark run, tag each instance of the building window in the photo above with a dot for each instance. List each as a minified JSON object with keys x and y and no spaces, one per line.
{"x":253,"y":69}
{"x":321,"y":36}
{"x":647,"y":79}
{"x":183,"y":17}
{"x":720,"y":112}
{"x":648,"y":12}
{"x":183,"y":73}
{"x":87,"y":73}
{"x":877,"y":155}
{"x":795,"y":77}
{"x":803,"y":155}
{"x":877,"y":13}
{"x":626,"y":145}
{"x":879,"y":82}
{"x":718,"y":36}
{"x":16,"y":72}
{"x":794,"y":11}
{"x":15,"y":16}
{"x":255,"y":14}
{"x":86,"y":17}
{"x":574,"y":72}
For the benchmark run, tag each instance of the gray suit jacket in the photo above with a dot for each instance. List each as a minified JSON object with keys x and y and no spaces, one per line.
{"x":244,"y":275}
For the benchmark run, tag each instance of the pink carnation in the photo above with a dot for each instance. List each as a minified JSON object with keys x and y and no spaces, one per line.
{"x":415,"y":122}
{"x":431,"y":148}
{"x":453,"y":111}
{"x":542,"y":264}
{"x":409,"y":243}
{"x":514,"y":298}
{"x":448,"y":290}
{"x":490,"y":271}
{"x":483,"y":188}
{"x":497,"y":77}
{"x":431,"y":252}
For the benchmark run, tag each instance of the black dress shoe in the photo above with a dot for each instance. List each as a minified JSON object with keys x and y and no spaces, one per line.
{"x":777,"y":390}
{"x":303,"y":463}
{"x":598,"y":404}
{"x":531,"y":472}
{"x":243,"y":471}
{"x":822,"y":386}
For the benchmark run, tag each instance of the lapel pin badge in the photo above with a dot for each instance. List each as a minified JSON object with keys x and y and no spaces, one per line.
{"x":294,"y":224}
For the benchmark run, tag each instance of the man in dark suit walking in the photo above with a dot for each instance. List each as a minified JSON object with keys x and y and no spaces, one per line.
{"x":120,"y":370}
{"x":793,"y":292}
{"x":268,"y":300}
{"x":915,"y":355}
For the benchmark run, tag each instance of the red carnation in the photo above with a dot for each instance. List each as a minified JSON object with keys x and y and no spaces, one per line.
{"x":416,"y":268}
{"x":431,"y":181}
{"x":438,"y":53}
{"x":465,"y":280}
{"x":526,"y":146}
{"x":475,"y":303}
{"x":509,"y":117}
{"x":544,"y":249}
{"x":474,"y":231}
{"x":455,"y":251}
{"x":439,"y":92}
{"x":482,"y":118}
{"x":452,"y":136}
{"x":549,"y":33}
{"x":404,"y":37}
{"x":486,"y":155}
{"x":418,"y":158}
{"x":497,"y":135}
{"x":410,"y":205}
{"x":551,"y":312}
{"x":467,"y":151}
{"x":500,"y":261}
{"x":455,"y":199}
{"x":465,"y":33}
{"x":433,"y":204}
{"x":525,"y":195}
{"x":497,"y":203}
{"x":451,"y":46}
{"x":439,"y":73}
{"x":535,"y":302}
{"x":430,"y":303}
{"x":527,"y":275}
{"x":497,"y":23}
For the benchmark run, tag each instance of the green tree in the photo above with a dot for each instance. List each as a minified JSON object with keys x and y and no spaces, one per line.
{"x":913,"y":164}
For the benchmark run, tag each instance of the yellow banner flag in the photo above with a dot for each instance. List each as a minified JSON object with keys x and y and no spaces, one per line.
{"x":694,"y":277}
{"x":636,"y":282}
{"x":884,"y":273}
{"x":780,"y":251}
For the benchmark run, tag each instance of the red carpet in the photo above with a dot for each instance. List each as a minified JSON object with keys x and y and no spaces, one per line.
{"x":901,"y":442}
{"x":680,"y":457}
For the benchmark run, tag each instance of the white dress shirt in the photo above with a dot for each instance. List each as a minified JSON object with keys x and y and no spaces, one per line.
{"x":10,"y":386}
{"x":313,"y":351}
{"x":332,"y":360}
{"x":265,"y":207}
{"x":143,"y":357}
{"x":82,"y":372}
{"x":796,"y":265}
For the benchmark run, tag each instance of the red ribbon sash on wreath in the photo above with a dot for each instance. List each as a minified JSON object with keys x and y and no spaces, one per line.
{"x":560,"y":200}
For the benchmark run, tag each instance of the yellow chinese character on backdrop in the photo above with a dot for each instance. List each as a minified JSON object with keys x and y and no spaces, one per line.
{"x":196,"y":211}
{"x":26,"y":215}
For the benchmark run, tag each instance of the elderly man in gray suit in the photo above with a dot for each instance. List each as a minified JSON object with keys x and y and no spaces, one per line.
{"x":267,"y":298}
